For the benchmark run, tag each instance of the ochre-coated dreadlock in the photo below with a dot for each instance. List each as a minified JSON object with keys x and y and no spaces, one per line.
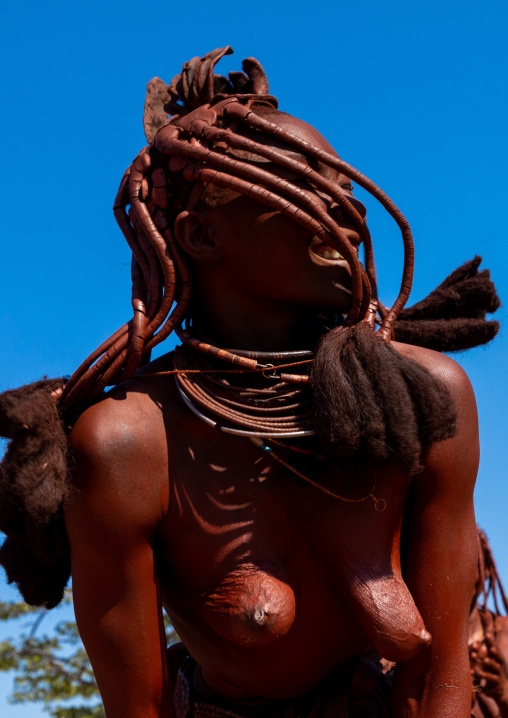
{"x":218,"y":126}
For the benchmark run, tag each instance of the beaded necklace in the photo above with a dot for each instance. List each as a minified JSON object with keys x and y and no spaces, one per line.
{"x":379,"y":504}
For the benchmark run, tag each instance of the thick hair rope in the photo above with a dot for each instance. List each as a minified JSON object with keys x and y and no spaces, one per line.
{"x":171,"y":173}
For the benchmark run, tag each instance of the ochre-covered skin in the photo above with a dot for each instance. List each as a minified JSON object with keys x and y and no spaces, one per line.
{"x":237,"y":536}
{"x":270,"y":583}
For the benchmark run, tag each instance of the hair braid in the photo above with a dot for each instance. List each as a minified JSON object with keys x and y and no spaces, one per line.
{"x":453,"y":316}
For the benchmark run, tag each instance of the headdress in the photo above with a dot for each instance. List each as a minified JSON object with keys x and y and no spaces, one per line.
{"x":194,"y":148}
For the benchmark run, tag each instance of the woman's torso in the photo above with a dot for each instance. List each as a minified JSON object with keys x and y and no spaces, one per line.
{"x":270,"y":582}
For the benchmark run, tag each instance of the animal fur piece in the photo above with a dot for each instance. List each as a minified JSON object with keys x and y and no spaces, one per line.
{"x":33,"y":484}
{"x":373,"y":404}
{"x":453,"y":316}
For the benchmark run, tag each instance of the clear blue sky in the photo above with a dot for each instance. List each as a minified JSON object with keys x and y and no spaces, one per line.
{"x":413,"y":94}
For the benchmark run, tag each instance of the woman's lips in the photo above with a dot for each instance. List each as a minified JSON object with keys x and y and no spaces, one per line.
{"x":328,"y":250}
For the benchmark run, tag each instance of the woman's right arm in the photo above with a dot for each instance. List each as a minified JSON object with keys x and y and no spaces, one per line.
{"x":119,"y":501}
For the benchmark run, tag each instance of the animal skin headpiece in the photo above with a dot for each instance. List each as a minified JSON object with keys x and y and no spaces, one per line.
{"x":209,"y":112}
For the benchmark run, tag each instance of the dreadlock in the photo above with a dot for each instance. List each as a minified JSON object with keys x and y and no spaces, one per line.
{"x":452,"y":317}
{"x":217,"y":126}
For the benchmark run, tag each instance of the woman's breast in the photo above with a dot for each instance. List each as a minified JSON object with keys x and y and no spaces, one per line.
{"x":229,"y":547}
{"x":361,"y":546}
{"x":250,"y":605}
{"x":246,"y":556}
{"x":309,"y":629}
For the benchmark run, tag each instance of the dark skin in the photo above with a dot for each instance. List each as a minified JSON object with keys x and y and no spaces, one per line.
{"x":270,"y":583}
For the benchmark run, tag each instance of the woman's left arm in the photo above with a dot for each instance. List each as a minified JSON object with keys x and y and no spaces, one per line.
{"x":442,"y":556}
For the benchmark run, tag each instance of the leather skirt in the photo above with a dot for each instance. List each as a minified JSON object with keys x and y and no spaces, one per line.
{"x":356,"y":689}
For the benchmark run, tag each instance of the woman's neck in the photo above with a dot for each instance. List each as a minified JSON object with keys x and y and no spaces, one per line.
{"x":269,"y":332}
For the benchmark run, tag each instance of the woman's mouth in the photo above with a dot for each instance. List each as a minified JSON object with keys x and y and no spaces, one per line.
{"x":326,"y":252}
{"x":326,"y":248}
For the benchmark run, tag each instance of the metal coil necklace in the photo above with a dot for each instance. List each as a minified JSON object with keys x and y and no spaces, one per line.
{"x":280,"y":410}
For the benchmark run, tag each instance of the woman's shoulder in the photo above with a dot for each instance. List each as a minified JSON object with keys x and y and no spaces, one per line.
{"x":442,"y":367}
{"x":130,"y":418}
{"x":458,"y":456}
{"x":120,"y":452}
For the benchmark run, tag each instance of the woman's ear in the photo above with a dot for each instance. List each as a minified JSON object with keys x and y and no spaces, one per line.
{"x":196,"y":235}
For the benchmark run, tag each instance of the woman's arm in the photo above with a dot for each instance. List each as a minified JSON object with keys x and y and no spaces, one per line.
{"x":112,"y":517}
{"x":442,"y":556}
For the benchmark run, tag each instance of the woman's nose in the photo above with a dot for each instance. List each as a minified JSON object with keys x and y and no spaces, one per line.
{"x":359,"y":206}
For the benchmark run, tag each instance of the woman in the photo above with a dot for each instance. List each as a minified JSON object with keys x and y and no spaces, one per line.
{"x":296,"y":513}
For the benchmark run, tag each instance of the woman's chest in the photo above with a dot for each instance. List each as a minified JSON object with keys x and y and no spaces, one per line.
{"x":251,"y":543}
{"x":232,"y":502}
{"x":233,"y":518}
